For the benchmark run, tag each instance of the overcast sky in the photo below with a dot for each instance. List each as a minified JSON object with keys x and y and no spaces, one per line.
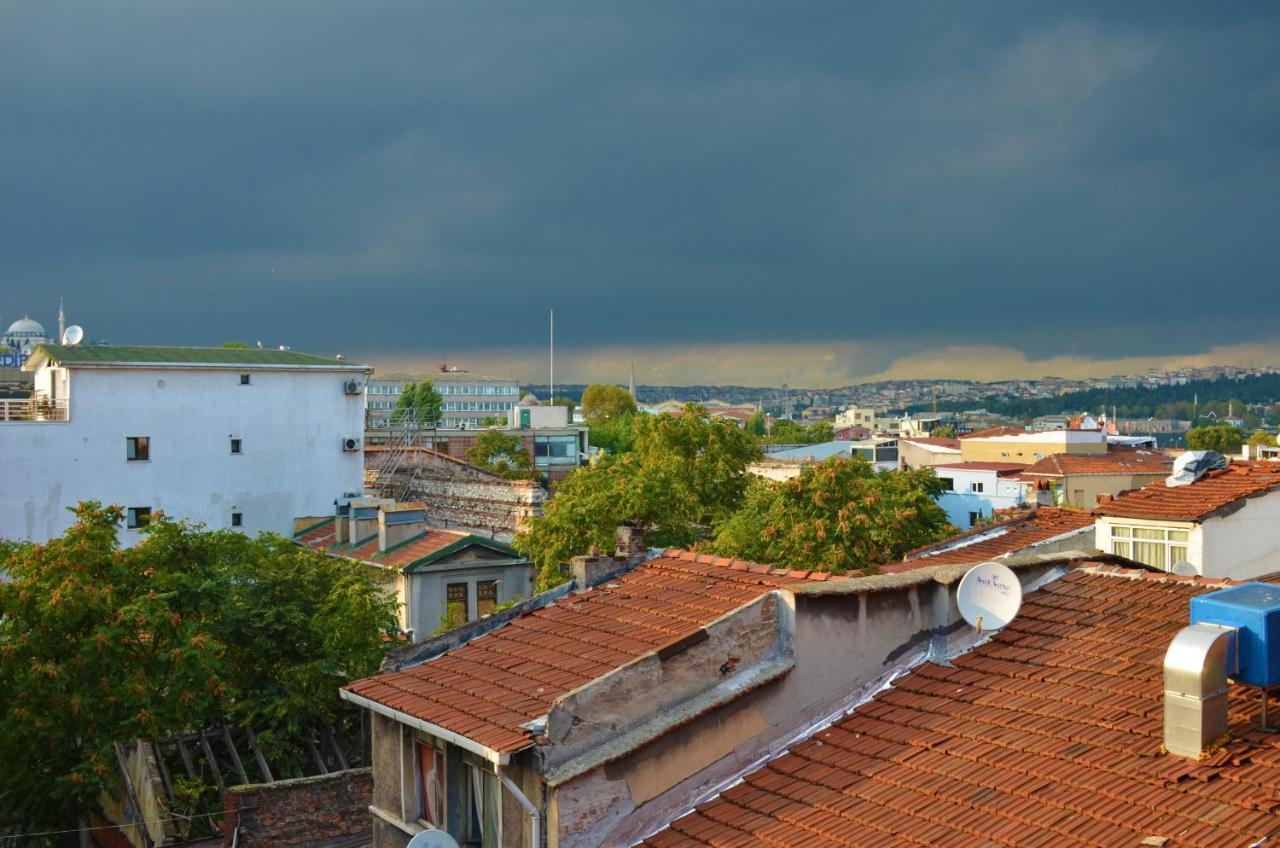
{"x":715,"y":191}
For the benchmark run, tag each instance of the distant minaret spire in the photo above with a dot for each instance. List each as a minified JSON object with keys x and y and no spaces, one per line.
{"x":631,"y":387}
{"x":62,"y":322}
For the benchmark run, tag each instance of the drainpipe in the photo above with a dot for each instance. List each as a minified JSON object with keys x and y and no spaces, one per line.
{"x":535,"y":819}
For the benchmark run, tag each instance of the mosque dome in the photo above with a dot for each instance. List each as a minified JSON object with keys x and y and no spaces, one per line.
{"x":24,"y":327}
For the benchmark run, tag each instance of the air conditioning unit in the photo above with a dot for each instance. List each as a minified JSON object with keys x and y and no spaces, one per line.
{"x":350,"y":444}
{"x":353,"y":387}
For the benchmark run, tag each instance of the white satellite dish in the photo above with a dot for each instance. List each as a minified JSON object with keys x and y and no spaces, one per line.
{"x":1185,"y":569}
{"x":73,"y":335}
{"x":432,"y":839}
{"x":989,"y":596}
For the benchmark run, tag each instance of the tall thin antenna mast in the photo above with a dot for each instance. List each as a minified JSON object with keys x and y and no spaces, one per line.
{"x":551,"y":395}
{"x":62,"y":323}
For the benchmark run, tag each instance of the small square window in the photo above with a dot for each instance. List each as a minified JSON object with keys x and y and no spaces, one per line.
{"x":244,"y":379}
{"x":137,"y":448}
{"x":235,"y":446}
{"x":237,"y":519}
{"x":138,"y":517}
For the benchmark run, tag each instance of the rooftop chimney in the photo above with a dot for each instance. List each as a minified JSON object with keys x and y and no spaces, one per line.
{"x":342,"y":517}
{"x":590,"y":570}
{"x":629,"y":540}
{"x":400,"y":522}
{"x":363,"y":518}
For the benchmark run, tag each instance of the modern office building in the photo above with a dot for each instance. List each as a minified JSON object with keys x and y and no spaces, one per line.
{"x":469,"y":399}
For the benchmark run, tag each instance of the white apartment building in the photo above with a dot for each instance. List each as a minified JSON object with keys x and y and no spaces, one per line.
{"x":231,"y":438}
{"x":468,"y":399}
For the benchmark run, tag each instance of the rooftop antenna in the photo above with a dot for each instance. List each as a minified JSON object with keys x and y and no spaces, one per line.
{"x":551,"y":393}
{"x":73,"y":335}
{"x":989,"y":596}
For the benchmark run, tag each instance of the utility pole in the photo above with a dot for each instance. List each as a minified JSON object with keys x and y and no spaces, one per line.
{"x":551,"y":393}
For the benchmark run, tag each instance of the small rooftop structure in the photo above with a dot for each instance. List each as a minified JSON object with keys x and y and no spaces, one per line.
{"x":1031,"y":529}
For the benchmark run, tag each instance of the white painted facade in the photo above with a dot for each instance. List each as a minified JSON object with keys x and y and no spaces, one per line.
{"x":976,"y":493}
{"x":291,"y":422}
{"x":1244,"y":545}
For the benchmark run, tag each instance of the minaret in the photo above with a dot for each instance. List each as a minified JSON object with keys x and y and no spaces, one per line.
{"x":631,"y":387}
{"x":62,"y":323}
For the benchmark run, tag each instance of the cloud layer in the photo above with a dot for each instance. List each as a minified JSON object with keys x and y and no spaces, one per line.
{"x":836,"y":185}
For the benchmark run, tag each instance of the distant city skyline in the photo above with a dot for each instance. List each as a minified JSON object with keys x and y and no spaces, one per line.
{"x":717,"y":192}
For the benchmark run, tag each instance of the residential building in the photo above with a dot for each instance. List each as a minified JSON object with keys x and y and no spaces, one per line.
{"x":869,"y":417}
{"x":1043,"y":530}
{"x":1013,"y":445}
{"x":974,"y":491}
{"x":1225,"y":524}
{"x":468,"y":400}
{"x":1058,"y":731}
{"x":927,"y":452}
{"x":593,"y":714}
{"x":243,"y":439}
{"x":1078,"y":480}
{"x":441,"y":577}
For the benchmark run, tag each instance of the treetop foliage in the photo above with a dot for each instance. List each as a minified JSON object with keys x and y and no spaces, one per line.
{"x":189,"y":628}
{"x":839,"y":515}
{"x":604,"y":403}
{"x":424,"y":398}
{"x":502,"y":454}
{"x":1223,"y":438}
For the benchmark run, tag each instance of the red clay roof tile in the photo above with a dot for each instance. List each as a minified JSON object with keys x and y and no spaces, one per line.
{"x":1114,"y":461}
{"x":1048,"y":735}
{"x":522,"y":667}
{"x":983,"y":543}
{"x":1210,"y":493}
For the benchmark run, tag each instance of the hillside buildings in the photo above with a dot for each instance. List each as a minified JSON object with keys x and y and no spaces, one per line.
{"x":243,"y":439}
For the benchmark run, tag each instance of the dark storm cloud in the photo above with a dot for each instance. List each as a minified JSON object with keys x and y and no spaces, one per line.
{"x":422,"y":176}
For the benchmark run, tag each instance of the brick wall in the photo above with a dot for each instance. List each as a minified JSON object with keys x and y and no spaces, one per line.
{"x":307,"y":811}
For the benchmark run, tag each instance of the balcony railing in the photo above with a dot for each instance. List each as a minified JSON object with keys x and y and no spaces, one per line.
{"x":34,"y":409}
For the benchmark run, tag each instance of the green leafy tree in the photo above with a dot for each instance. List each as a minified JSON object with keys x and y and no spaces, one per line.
{"x":235,"y":346}
{"x":1261,"y":438}
{"x":819,"y":431}
{"x":423,"y":398}
{"x":1223,"y":438}
{"x":615,"y":436}
{"x":603,"y":403}
{"x":100,"y":645}
{"x":787,"y":432}
{"x":683,"y":474}
{"x":839,"y":515}
{"x":756,"y":424}
{"x":502,"y":454}
{"x":946,"y":431}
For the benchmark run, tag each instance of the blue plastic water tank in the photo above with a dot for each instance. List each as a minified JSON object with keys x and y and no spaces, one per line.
{"x":1254,"y":609}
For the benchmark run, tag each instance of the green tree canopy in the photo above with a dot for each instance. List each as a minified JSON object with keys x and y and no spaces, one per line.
{"x":189,"y":628}
{"x":423,"y":398}
{"x":235,"y":346}
{"x":839,"y":515}
{"x":503,"y":455}
{"x":756,"y":424}
{"x":1223,"y":438}
{"x":615,"y":435}
{"x":603,"y":403}
{"x":683,"y":474}
{"x":787,"y":432}
{"x":1261,"y":438}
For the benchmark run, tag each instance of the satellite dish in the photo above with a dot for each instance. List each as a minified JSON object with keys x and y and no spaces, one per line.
{"x":1185,"y":569}
{"x":989,"y":596}
{"x":432,"y":839}
{"x":73,"y":335}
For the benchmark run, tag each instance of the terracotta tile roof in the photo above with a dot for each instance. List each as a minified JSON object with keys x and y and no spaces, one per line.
{"x":998,"y":467}
{"x":1212,"y":492}
{"x":486,"y":689}
{"x":1048,"y":735}
{"x":993,"y":540}
{"x":933,"y":441}
{"x":407,"y":553}
{"x":1114,"y":461}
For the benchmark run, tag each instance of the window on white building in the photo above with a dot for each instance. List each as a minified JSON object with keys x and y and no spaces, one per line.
{"x":137,"y":448}
{"x":244,"y":379}
{"x":977,"y":488}
{"x":237,"y":519}
{"x":1159,"y":547}
{"x":236,"y":445}
{"x":137,"y":517}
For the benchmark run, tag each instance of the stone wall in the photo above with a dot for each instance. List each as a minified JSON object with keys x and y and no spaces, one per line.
{"x":460,"y":495}
{"x":327,"y":809}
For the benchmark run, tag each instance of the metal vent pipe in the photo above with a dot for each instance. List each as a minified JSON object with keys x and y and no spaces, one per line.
{"x":1196,"y":667}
